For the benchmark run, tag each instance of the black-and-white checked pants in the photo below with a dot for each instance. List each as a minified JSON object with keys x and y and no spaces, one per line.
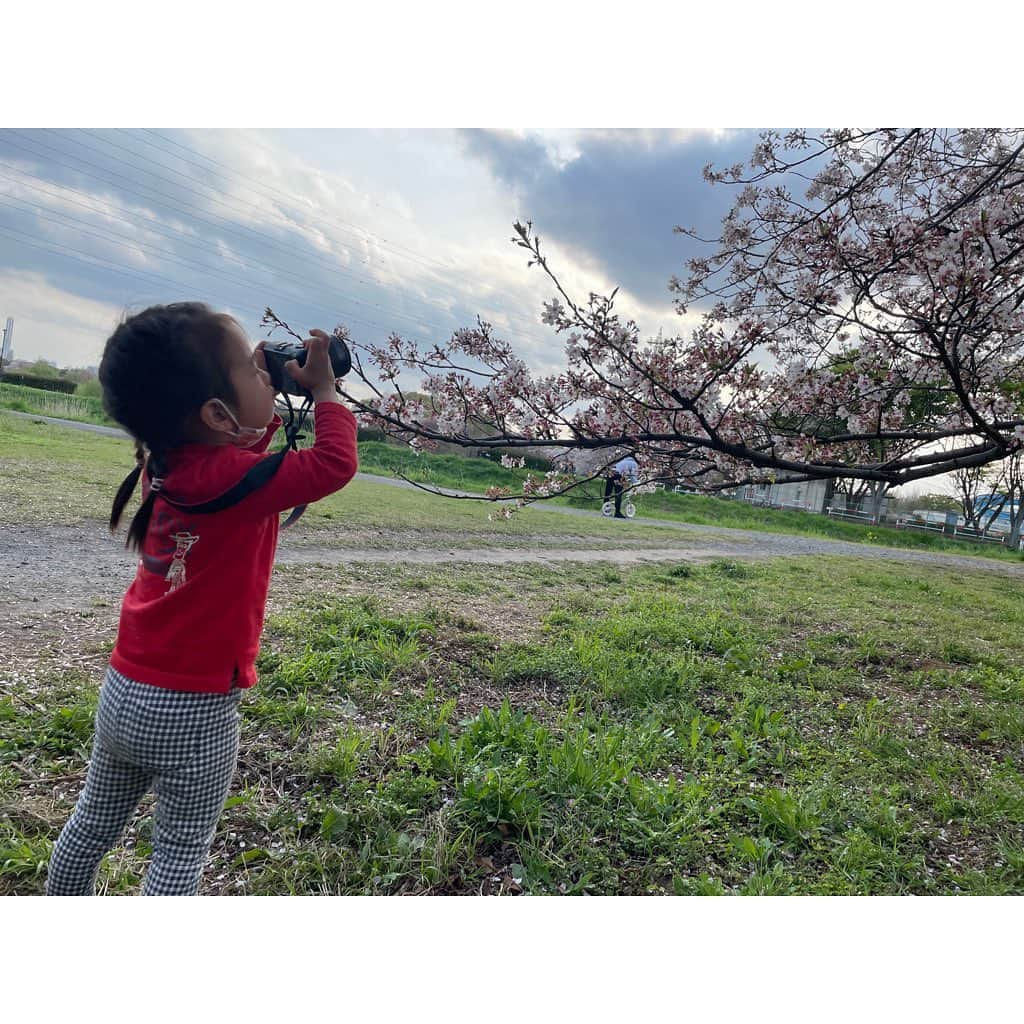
{"x":183,"y":746}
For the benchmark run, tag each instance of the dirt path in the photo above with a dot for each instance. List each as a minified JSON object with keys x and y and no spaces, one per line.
{"x":72,"y":566}
{"x":61,"y":586}
{"x":69,"y":566}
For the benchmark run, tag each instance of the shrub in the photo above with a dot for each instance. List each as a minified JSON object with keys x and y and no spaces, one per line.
{"x":51,"y":403}
{"x":45,"y":383}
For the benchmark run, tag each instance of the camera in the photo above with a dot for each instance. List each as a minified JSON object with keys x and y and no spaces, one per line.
{"x":277,"y":353}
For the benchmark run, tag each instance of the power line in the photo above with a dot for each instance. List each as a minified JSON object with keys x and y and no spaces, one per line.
{"x":89,"y":259}
{"x":111,"y":236}
{"x":418,"y":321}
{"x":180,"y":259}
{"x":240,"y":205}
{"x":185,"y":207}
{"x":63,"y":251}
{"x":387,"y":246}
{"x":259,"y":236}
{"x":425,"y":261}
{"x":57,"y":249}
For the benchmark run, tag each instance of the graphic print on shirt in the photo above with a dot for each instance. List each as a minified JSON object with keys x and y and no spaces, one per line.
{"x":176,"y":573}
{"x":161,"y":545}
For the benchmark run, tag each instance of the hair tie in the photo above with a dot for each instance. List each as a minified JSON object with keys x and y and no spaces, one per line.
{"x":155,"y":484}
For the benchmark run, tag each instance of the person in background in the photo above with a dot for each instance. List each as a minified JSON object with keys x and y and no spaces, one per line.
{"x":624,"y":470}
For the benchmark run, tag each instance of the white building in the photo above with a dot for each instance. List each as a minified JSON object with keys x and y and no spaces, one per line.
{"x":807,"y":496}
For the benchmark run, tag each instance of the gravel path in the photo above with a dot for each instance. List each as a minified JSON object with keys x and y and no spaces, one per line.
{"x":94,"y":428}
{"x":70,"y":566}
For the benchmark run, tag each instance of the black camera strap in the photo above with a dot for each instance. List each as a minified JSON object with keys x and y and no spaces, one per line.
{"x":260,"y":474}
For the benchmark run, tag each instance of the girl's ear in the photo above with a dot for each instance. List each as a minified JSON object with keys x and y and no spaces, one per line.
{"x":214,"y":415}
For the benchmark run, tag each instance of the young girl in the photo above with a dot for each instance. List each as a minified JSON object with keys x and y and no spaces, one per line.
{"x":184,"y":382}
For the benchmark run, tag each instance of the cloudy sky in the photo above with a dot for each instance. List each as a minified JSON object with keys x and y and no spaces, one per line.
{"x":403,"y":231}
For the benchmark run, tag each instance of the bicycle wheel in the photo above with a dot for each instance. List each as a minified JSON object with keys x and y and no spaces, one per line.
{"x":608,"y":508}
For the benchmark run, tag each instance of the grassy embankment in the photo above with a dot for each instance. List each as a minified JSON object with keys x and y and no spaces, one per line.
{"x":735,"y":514}
{"x":831,"y":726}
{"x":53,"y":403}
{"x":54,"y":474}
{"x":476,"y":475}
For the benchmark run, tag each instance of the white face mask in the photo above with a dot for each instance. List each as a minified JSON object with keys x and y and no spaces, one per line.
{"x":243,"y":437}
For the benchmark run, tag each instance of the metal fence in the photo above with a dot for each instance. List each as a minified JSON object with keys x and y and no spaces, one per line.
{"x":852,"y":514}
{"x":960,"y":533}
{"x":980,"y":538}
{"x":916,"y":524}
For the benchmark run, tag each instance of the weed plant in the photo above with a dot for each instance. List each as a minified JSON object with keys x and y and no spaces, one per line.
{"x":81,"y":408}
{"x":833,"y":727}
{"x":80,"y":467}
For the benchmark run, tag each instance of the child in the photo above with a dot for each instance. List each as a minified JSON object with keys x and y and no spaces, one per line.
{"x":184,"y":382}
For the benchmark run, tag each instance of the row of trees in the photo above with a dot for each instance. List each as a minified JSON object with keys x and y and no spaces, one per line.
{"x":986,"y":493}
{"x":84,"y":378}
{"x":860,"y":316}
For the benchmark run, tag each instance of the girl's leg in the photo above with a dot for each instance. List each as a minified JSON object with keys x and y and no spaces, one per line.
{"x":112,"y":792}
{"x":113,"y":789}
{"x":190,"y":800}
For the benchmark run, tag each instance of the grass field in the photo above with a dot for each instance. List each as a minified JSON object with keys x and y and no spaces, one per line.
{"x":52,"y":403}
{"x":54,"y":474}
{"x":831,"y":726}
{"x":803,"y":725}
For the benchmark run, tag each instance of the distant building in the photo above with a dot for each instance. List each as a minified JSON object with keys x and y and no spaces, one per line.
{"x":936,"y":517}
{"x":985,"y":506}
{"x":807,"y":496}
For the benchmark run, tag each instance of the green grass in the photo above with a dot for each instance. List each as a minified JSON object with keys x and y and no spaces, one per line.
{"x":708,"y":510}
{"x":52,"y":403}
{"x":835,"y":727}
{"x":54,"y":474}
{"x":50,"y":473}
{"x":455,"y":472}
{"x":450,"y":471}
{"x":57,"y":474}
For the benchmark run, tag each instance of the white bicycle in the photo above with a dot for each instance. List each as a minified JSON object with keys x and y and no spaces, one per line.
{"x":628,"y":508}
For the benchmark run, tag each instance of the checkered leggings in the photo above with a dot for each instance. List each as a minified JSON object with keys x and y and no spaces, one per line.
{"x":183,"y":746}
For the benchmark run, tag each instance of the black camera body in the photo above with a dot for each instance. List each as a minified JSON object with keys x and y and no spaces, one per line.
{"x":277,"y":353}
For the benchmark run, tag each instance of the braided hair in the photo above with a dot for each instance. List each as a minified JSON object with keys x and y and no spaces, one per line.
{"x":157,"y":370}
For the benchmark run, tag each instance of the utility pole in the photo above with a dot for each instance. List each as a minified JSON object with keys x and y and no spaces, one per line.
{"x":5,"y":348}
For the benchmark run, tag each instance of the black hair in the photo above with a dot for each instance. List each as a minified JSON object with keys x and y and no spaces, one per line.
{"x":157,"y":370}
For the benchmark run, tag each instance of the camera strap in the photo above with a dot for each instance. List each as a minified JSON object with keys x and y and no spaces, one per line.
{"x":260,"y":474}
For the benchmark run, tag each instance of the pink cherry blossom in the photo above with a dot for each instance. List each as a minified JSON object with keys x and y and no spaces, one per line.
{"x":861,"y":316}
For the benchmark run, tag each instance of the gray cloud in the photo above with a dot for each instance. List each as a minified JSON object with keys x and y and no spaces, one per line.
{"x":618,"y":201}
{"x":186,"y":229}
{"x":142,"y":226}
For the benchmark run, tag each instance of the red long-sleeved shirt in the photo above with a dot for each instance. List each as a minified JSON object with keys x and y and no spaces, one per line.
{"x":191,"y":619}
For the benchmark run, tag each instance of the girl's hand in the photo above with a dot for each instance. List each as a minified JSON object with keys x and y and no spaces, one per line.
{"x":317,"y":375}
{"x":259,"y":358}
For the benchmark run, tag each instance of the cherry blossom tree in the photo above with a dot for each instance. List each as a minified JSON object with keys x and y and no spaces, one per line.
{"x":859,"y":317}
